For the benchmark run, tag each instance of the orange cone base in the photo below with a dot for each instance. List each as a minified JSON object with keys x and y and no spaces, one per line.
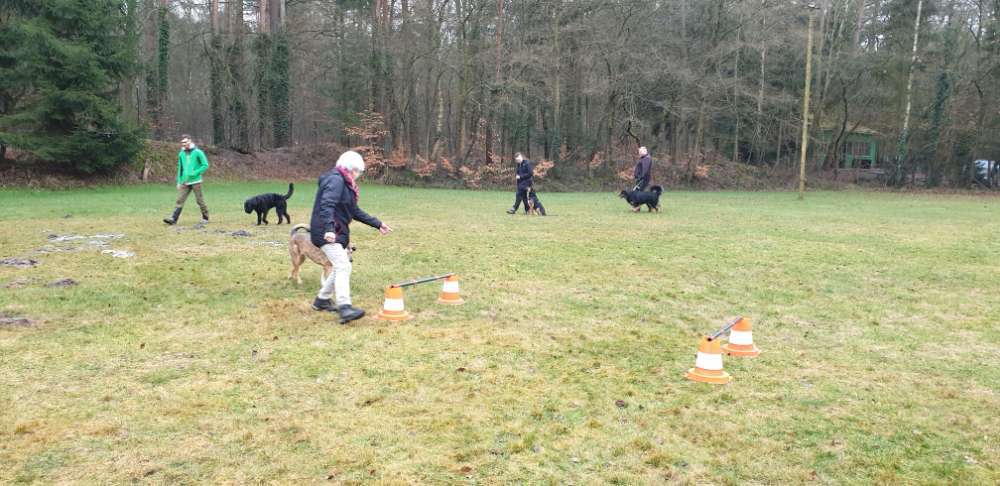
{"x":456,"y":300}
{"x":693,"y":374}
{"x":393,"y":316}
{"x":746,"y":350}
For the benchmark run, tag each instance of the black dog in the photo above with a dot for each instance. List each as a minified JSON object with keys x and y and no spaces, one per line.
{"x":263,"y":203}
{"x":650,"y":198}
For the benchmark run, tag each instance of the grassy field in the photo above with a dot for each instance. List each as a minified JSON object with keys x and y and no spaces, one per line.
{"x":197,"y":361}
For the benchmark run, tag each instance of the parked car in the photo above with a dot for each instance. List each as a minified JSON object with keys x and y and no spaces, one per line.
{"x":986,"y":171}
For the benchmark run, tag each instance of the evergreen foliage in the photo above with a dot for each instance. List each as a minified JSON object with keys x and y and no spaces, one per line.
{"x":279,"y":90}
{"x":61,"y":63}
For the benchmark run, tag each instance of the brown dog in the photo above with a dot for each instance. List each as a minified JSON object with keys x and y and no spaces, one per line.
{"x":300,"y":247}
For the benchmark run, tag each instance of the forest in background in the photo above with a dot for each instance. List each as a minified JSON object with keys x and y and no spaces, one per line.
{"x":452,"y":88}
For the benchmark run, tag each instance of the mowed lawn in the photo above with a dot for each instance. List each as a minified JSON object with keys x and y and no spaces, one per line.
{"x":197,"y":361}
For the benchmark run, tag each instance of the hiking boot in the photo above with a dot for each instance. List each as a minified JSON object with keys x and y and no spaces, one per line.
{"x":323,"y":305}
{"x":350,"y":313}
{"x":172,"y":219}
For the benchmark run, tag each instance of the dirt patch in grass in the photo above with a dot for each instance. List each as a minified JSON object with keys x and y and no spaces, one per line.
{"x":62,"y":283}
{"x":18,"y":283}
{"x":19,"y":262}
{"x":9,"y":320}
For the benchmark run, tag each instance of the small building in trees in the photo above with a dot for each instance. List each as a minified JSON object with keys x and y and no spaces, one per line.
{"x":857,"y":149}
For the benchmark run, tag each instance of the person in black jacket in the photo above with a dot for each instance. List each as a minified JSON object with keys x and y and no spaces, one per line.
{"x":525,"y":171}
{"x":643,"y":169}
{"x":335,"y":207}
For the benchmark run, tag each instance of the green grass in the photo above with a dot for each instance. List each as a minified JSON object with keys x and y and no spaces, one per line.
{"x":876,"y":314}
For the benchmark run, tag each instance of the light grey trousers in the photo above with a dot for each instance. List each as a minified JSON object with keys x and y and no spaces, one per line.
{"x":340,"y":280}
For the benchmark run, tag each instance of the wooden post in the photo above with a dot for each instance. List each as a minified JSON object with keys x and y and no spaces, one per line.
{"x":805,"y":107}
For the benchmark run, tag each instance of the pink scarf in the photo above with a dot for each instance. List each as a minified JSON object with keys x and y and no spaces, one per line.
{"x":350,"y":183}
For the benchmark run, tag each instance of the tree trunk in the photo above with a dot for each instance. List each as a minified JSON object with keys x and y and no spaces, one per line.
{"x":279,"y":87}
{"x":699,"y":148}
{"x":736,"y":97}
{"x":856,"y":40}
{"x":216,"y":75}
{"x":899,"y":177}
{"x":236,"y":67}
{"x":758,"y":135}
{"x":157,"y":76}
{"x":941,"y":97}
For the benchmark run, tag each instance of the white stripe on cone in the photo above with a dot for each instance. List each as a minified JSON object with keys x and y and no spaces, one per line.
{"x":450,"y":286}
{"x":741,"y":337}
{"x":393,"y":305}
{"x":708,"y":361}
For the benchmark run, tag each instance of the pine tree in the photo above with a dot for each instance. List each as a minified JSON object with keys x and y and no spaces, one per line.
{"x":61,"y":63}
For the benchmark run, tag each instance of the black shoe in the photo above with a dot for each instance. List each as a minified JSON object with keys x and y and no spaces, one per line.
{"x":511,"y":211}
{"x":323,"y":305}
{"x":172,"y":220}
{"x":350,"y":313}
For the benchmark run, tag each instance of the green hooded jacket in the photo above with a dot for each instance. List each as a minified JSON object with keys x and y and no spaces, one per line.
{"x":190,"y":166}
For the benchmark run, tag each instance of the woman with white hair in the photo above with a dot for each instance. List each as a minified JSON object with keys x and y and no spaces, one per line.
{"x":643,"y":169}
{"x":335,"y":207}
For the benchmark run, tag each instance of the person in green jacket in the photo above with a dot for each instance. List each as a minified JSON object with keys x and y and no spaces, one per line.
{"x":191,"y":164}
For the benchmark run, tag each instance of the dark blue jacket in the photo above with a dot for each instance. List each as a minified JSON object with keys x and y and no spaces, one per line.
{"x":525,"y":171}
{"x":335,"y":207}
{"x":643,"y":168}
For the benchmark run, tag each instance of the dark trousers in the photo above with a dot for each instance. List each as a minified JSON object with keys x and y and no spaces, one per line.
{"x":641,"y":184}
{"x":522,"y":196}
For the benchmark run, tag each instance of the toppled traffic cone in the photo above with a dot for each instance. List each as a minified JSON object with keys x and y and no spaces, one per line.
{"x":741,"y":340}
{"x":393,"y":309}
{"x":708,"y":364}
{"x":449,"y":292}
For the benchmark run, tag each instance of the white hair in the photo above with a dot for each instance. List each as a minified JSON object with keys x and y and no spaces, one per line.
{"x":351,"y":160}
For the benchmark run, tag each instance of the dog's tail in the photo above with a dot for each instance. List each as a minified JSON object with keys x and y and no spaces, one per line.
{"x":291,"y":189}
{"x":298,"y":227}
{"x":657,"y":189}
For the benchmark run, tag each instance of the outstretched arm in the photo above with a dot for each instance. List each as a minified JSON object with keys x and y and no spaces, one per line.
{"x":361,"y":215}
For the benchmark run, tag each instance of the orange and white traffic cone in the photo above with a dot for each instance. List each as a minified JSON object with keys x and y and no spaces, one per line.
{"x":393,"y":308}
{"x":708,"y":364}
{"x":449,"y":292}
{"x":741,"y":340}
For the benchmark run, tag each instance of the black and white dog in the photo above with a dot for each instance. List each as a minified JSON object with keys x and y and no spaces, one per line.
{"x":263,"y":203}
{"x":650,"y":198}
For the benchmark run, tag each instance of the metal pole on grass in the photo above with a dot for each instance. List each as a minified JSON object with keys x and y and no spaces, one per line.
{"x":725,"y":328}
{"x":421,"y":280}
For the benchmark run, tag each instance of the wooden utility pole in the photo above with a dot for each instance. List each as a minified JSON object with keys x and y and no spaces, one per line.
{"x":805,"y":106}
